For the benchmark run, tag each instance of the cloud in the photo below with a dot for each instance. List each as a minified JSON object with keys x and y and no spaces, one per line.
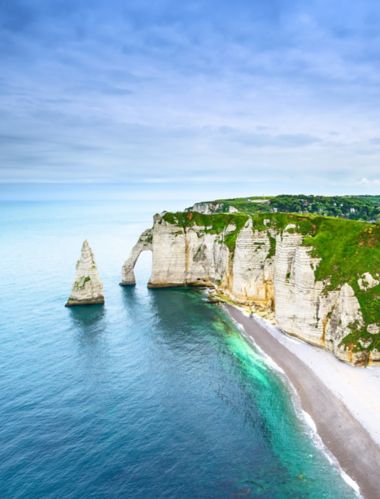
{"x":366,"y":181}
{"x":165,"y":92}
{"x":254,"y":139}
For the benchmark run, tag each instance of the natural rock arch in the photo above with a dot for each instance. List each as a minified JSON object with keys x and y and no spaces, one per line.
{"x":143,"y":244}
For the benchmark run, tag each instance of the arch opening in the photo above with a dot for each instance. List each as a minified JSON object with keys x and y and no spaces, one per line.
{"x":143,"y":267}
{"x":144,"y":243}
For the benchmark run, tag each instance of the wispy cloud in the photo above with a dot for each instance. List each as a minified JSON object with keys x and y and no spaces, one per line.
{"x":367,"y":181}
{"x":198,"y":92}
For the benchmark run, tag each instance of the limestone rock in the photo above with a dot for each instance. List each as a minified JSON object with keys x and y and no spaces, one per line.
{"x":345,"y":311}
{"x":144,"y":243}
{"x":206,"y":207}
{"x":252,"y":272}
{"x":87,"y":288}
{"x":276,"y":280}
{"x":210,"y":207}
{"x":373,"y":328}
{"x":366,"y":281}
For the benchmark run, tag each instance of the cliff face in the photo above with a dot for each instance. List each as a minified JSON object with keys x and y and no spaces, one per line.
{"x":267,"y":268}
{"x":87,"y":288}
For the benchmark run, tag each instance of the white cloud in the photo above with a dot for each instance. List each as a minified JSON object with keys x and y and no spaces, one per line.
{"x":366,"y":181}
{"x":283,"y":99}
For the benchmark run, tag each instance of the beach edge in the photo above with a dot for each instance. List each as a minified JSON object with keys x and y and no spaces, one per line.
{"x":343,"y":435}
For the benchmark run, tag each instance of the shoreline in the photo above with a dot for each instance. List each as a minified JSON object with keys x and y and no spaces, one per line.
{"x":347,"y":434}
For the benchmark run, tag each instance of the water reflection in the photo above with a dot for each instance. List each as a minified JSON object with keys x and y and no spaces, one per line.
{"x":174,"y":306}
{"x":180,"y":316}
{"x":92,"y":342}
{"x":182,"y":307}
{"x":128,"y":295}
{"x":88,"y":318}
{"x":90,"y":322}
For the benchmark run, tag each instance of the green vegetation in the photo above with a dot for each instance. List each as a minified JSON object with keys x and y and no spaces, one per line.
{"x":365,"y":208}
{"x":211,"y":224}
{"x":361,"y":341}
{"x":82,"y":282}
{"x":272,"y":248}
{"x":303,"y":224}
{"x":149,"y":238}
{"x":346,"y":248}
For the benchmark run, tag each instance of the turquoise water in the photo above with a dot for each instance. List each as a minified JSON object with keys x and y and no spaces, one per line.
{"x":154,"y":395}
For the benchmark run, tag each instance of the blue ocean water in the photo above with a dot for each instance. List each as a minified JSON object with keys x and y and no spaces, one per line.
{"x":154,"y":395}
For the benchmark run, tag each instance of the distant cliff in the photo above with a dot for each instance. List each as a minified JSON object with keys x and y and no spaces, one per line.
{"x":365,"y":208}
{"x":317,"y":278}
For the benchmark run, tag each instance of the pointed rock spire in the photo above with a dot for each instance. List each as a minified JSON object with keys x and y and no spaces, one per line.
{"x":87,"y":287}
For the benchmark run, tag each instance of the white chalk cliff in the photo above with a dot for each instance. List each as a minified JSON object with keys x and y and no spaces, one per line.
{"x":268,"y":270}
{"x":87,"y":288}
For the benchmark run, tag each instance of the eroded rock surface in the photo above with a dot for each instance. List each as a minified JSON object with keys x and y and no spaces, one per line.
{"x":144,"y":243}
{"x":270,"y":270}
{"x":87,"y":288}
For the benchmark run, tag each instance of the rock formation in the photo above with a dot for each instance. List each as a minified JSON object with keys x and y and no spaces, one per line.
{"x":87,"y":288}
{"x":266,"y":267}
{"x":144,"y":243}
{"x":210,"y":207}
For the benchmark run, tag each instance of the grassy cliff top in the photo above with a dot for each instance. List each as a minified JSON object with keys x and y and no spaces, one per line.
{"x":352,"y":207}
{"x":347,"y":248}
{"x":211,"y":224}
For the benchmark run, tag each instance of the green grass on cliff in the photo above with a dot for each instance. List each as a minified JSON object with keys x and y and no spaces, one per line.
{"x":352,"y":207}
{"x":346,"y":248}
{"x":360,"y":340}
{"x":210,"y":224}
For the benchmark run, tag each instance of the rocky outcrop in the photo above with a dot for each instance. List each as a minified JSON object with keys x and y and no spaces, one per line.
{"x":87,"y":288}
{"x":207,"y":207}
{"x":366,"y":282}
{"x":251,"y":277}
{"x":267,"y":269}
{"x":210,"y":207}
{"x":143,"y":244}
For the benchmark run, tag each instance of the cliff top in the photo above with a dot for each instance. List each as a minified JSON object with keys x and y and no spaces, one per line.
{"x":348,"y":250}
{"x":365,"y":208}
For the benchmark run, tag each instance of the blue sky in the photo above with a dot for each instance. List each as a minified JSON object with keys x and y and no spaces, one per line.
{"x":189,"y":100}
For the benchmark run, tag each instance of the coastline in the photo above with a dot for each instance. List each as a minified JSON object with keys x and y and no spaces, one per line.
{"x":333,"y":394}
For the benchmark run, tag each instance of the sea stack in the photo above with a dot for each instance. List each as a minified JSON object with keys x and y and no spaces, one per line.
{"x":87,"y":287}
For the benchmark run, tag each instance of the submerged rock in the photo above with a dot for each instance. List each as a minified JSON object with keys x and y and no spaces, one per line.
{"x":87,"y":288}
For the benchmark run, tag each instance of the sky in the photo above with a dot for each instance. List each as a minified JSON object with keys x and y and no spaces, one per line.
{"x":188,"y":100}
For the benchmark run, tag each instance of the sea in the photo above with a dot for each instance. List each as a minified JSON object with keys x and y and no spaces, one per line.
{"x":153,"y":395}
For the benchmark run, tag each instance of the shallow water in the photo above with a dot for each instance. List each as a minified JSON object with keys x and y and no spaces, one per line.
{"x":153,"y":395}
